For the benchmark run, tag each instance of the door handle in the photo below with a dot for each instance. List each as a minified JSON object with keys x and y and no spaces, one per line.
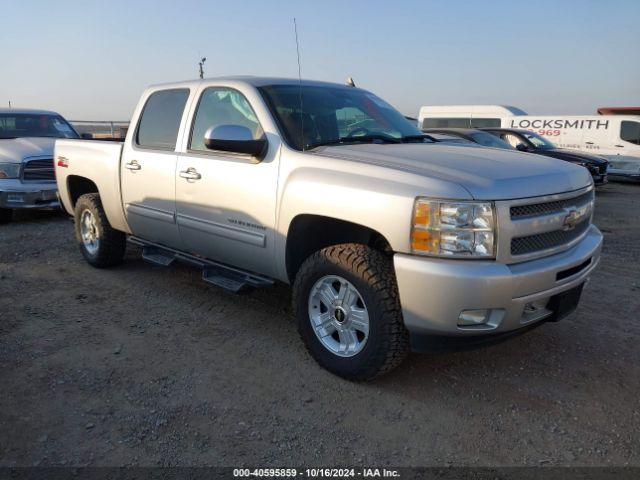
{"x":190,"y":174}
{"x":620,"y":146}
{"x":132,"y":165}
{"x":589,"y":143}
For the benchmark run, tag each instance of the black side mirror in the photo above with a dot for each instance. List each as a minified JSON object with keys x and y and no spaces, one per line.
{"x":522,"y":147}
{"x":236,"y":139}
{"x":86,"y":136}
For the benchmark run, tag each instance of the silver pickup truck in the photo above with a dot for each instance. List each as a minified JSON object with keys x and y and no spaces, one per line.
{"x":26,"y":159}
{"x":391,"y":240}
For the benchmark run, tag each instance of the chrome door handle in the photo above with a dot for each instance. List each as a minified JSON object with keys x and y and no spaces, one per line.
{"x":132,"y":165}
{"x":190,"y":174}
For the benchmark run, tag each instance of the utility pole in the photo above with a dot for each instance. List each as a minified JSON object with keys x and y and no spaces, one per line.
{"x":201,"y":65}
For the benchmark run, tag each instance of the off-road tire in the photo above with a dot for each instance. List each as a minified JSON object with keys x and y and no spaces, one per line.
{"x":112,"y":242}
{"x":372,"y":273}
{"x":6,"y":215}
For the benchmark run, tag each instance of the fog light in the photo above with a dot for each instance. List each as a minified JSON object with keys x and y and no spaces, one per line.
{"x":473,"y":317}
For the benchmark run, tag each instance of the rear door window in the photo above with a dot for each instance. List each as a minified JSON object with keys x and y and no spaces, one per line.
{"x":630,"y":132}
{"x":160,"y":119}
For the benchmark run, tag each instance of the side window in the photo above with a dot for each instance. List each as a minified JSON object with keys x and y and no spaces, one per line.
{"x":446,"y":123}
{"x":485,"y":122}
{"x":222,"y":106}
{"x":630,"y":132}
{"x":160,"y":119}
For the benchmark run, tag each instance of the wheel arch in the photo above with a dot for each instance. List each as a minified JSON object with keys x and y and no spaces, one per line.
{"x":309,"y":233}
{"x":77,"y":186}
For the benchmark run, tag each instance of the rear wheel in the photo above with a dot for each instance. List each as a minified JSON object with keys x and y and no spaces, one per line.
{"x":100,"y":244}
{"x":6,"y":214}
{"x":348,"y":311}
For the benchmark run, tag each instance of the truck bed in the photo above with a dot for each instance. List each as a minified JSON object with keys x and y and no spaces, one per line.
{"x":98,"y":161}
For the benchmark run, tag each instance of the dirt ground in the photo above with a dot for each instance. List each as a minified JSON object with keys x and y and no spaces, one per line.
{"x":140,"y":365}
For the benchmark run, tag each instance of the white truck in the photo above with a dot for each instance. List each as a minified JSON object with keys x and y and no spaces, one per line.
{"x":614,"y":137}
{"x":389,"y":239}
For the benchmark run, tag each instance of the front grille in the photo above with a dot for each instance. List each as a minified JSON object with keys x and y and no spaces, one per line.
{"x":548,"y":208}
{"x":38,"y":170}
{"x":547,"y":240}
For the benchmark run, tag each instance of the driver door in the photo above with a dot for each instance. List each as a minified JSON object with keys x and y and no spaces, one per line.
{"x":226,"y":202}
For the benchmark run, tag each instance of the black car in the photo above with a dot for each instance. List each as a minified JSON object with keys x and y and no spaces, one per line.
{"x":480,"y":137}
{"x":527,"y":141}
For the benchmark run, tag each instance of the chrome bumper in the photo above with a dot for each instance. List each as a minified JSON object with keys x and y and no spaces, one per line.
{"x":433,"y":292}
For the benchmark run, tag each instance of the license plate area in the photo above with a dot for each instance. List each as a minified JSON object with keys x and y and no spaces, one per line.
{"x":564,"y":303}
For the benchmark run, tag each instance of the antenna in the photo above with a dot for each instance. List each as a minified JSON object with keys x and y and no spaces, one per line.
{"x":9,"y":103}
{"x":201,"y":65}
{"x":295,"y":29}
{"x":350,"y":82}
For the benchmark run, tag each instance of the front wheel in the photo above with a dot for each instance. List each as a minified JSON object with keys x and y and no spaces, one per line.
{"x":348,"y":311}
{"x":100,"y":244}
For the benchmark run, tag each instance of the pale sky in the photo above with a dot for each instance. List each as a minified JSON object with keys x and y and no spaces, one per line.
{"x":90,"y":60}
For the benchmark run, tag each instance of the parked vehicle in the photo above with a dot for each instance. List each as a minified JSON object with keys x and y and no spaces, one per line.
{"x":27,"y":176}
{"x":614,"y":137}
{"x":237,"y":176}
{"x":473,"y":135}
{"x":527,"y":141}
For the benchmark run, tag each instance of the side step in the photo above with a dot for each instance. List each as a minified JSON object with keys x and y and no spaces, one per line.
{"x":219,"y":274}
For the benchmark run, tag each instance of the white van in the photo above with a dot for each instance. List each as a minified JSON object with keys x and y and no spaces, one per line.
{"x":615,"y":137}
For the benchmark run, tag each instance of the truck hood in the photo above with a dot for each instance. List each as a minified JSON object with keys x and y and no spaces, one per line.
{"x":14,"y":150}
{"x":486,"y":173}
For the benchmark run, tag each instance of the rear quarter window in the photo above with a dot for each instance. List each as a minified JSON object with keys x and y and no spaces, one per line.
{"x":160,"y":119}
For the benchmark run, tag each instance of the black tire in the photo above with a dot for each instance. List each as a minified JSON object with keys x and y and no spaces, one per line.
{"x":6,"y":215}
{"x":112,"y":243}
{"x":372,"y":274}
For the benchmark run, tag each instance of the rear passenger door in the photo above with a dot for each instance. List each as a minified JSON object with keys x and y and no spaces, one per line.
{"x":148,"y":167}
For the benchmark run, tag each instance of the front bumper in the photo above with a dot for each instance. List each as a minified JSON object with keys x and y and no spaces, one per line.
{"x":19,"y":195}
{"x":433,"y":291}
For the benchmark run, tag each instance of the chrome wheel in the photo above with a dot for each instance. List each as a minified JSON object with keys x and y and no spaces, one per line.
{"x":89,"y":232}
{"x":338,"y":316}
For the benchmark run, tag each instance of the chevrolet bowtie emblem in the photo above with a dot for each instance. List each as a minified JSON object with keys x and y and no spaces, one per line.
{"x":574,"y":216}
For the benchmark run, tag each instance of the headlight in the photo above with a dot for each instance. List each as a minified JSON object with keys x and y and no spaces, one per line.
{"x":453,"y":229}
{"x":9,"y":170}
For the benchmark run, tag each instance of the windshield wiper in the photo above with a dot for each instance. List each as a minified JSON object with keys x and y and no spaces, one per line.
{"x":371,"y":138}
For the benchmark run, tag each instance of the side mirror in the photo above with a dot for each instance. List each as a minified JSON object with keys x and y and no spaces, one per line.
{"x":86,"y":136}
{"x":236,"y":139}
{"x":522,"y":147}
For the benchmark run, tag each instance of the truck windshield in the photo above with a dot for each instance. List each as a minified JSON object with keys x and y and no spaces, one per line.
{"x":539,"y":142}
{"x":18,"y":125}
{"x":311,"y":116}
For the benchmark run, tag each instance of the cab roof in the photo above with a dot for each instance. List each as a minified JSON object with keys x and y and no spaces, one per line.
{"x":254,"y":81}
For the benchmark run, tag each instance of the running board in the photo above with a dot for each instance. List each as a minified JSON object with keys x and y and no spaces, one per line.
{"x":219,"y":274}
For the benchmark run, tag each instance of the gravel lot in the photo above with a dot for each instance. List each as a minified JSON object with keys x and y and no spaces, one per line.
{"x":140,"y":365}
